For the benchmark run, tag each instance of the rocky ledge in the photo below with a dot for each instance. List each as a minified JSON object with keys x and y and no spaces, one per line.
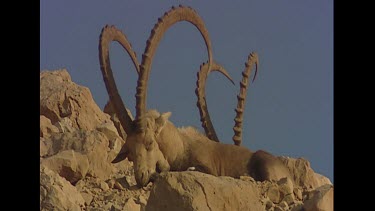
{"x":78,"y":141}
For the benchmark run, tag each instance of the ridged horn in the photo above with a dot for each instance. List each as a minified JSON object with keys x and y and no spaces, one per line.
{"x":107,"y":35}
{"x":241,"y":97}
{"x":202,"y":75}
{"x":176,"y":14}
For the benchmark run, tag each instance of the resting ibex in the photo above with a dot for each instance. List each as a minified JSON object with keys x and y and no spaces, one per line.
{"x":154,"y":144}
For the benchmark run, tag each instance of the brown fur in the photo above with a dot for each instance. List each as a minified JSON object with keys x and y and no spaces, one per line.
{"x":186,"y":147}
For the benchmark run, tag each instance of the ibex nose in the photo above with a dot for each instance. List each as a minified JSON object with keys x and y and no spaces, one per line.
{"x":143,"y":178}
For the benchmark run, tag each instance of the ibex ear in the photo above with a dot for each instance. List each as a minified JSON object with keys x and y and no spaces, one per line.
{"x":161,"y":121}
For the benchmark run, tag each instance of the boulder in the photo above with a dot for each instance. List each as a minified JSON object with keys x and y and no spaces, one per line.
{"x":62,"y":98}
{"x":198,"y":191}
{"x":303,"y":174}
{"x":94,"y":145}
{"x":320,"y":199}
{"x":56,"y":193}
{"x":108,"y":109}
{"x":131,"y":205}
{"x":65,"y":125}
{"x":43,"y":147}
{"x":69,"y":164}
{"x":46,"y":127}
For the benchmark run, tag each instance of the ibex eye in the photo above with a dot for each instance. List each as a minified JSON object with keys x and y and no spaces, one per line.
{"x":149,"y":146}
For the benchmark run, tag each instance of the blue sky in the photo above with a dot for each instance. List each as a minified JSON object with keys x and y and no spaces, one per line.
{"x":289,"y":107}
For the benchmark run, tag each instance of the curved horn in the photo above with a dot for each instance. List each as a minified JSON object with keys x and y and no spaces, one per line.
{"x":109,"y":34}
{"x":200,"y":92}
{"x":167,"y":20}
{"x":241,"y":97}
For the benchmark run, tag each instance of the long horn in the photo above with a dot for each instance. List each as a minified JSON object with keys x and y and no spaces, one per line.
{"x":109,"y":34}
{"x":167,"y":20}
{"x":241,"y":97}
{"x":200,"y":92}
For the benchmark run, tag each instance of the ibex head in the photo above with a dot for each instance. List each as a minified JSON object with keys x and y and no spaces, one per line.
{"x":143,"y":149}
{"x":141,"y":146}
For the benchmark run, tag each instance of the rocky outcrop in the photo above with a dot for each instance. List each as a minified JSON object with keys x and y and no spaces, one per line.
{"x":69,"y":164}
{"x":93,"y":146}
{"x":60,"y":98}
{"x":108,"y":109}
{"x":319,"y":199}
{"x":58,"y":194}
{"x":78,"y":141}
{"x":46,"y":127}
{"x":303,"y":174}
{"x":199,"y":191}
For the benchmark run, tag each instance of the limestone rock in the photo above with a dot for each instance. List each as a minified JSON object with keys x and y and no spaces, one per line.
{"x":108,"y":109}
{"x":60,"y":97}
{"x":197,"y":191}
{"x":93,"y":144}
{"x":43,"y":147}
{"x":58,"y":194}
{"x":69,"y":164}
{"x":303,"y":174}
{"x":273,"y":193}
{"x":320,"y":199}
{"x":65,"y":125}
{"x":109,"y":130}
{"x":46,"y":127}
{"x":132,"y":206}
{"x":87,"y":197}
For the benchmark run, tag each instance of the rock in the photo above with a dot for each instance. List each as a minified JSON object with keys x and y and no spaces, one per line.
{"x":284,"y":205}
{"x":289,"y":198}
{"x":87,"y":197}
{"x":303,"y":174}
{"x":80,"y":185}
{"x":278,"y":208}
{"x":104,"y":186}
{"x":273,"y":193}
{"x":297,"y":206}
{"x":46,"y":127}
{"x":69,"y":164}
{"x":298,"y":193}
{"x":192,"y":190}
{"x":247,"y":178}
{"x":141,"y":200}
{"x":111,"y":182}
{"x":131,"y":205}
{"x":108,"y":109}
{"x":269,"y":204}
{"x":60,"y":97}
{"x":285,"y":186}
{"x":43,"y":148}
{"x":115,"y":147}
{"x":109,"y":130}
{"x":65,"y":125}
{"x":93,"y":144}
{"x":56,"y":193}
{"x":320,"y":199}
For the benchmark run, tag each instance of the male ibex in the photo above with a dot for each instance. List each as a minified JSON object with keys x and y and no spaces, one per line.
{"x":153,"y":143}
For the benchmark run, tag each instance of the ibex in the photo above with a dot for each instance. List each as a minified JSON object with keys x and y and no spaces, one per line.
{"x":154,"y":144}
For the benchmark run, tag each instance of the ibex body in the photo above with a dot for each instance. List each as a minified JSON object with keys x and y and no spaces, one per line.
{"x":177,"y":149}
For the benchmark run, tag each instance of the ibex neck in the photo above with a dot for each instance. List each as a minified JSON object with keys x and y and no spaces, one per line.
{"x":174,"y":147}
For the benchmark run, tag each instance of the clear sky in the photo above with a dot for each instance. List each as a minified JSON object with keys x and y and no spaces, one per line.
{"x":289,"y":107}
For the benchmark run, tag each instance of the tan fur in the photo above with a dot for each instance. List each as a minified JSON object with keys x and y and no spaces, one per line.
{"x":178,"y":149}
